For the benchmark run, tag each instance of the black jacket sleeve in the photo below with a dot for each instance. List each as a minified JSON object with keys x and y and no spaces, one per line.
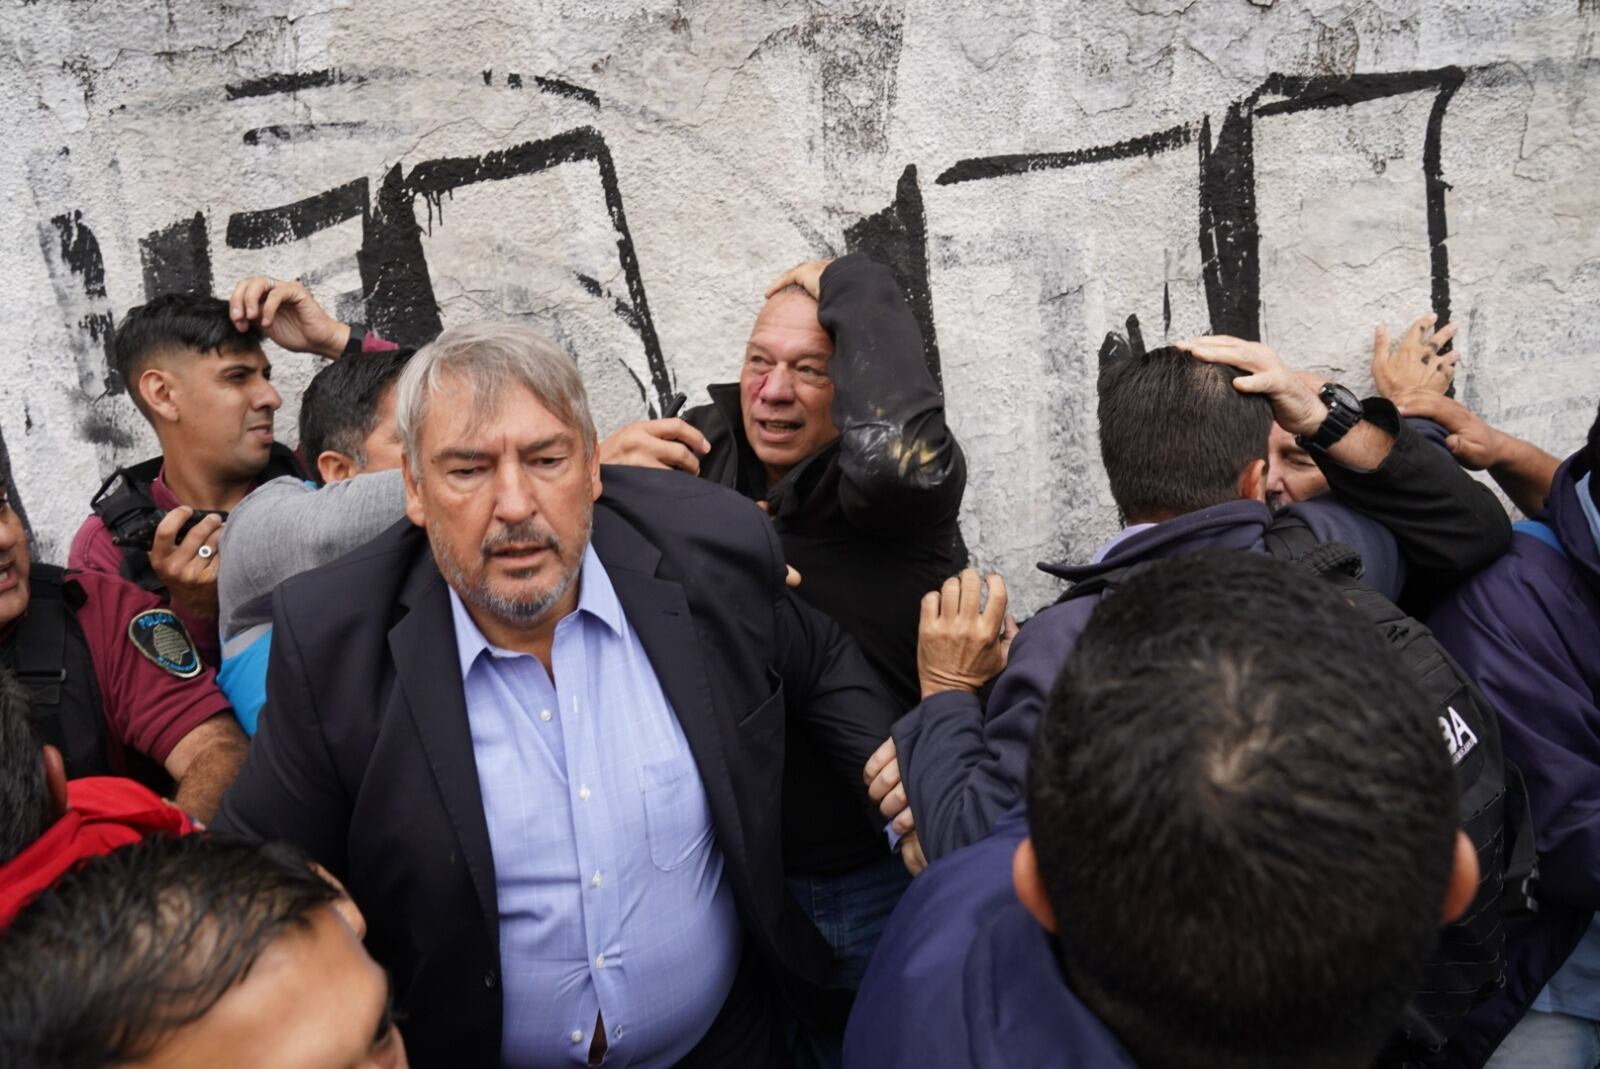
{"x":288,"y":787}
{"x":832,"y":692}
{"x":902,"y":469}
{"x":1447,"y":524}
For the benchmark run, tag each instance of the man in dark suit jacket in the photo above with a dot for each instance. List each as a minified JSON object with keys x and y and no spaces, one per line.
{"x":401,"y":750}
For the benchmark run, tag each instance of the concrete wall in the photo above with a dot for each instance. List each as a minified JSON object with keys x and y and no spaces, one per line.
{"x":630,"y":175}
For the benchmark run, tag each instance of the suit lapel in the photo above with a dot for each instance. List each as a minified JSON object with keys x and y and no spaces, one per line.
{"x":659,"y":613}
{"x":423,"y":644}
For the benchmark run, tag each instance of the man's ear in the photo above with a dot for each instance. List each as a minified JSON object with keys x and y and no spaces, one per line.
{"x":594,"y":470}
{"x":1463,"y":885}
{"x":156,"y":387}
{"x":415,"y":510}
{"x":1030,"y":885}
{"x":335,"y":466}
{"x":1253,"y":481}
{"x":55,"y":779}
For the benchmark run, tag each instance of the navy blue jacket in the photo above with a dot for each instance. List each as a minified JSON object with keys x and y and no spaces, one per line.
{"x":1527,"y":629}
{"x":965,"y":977}
{"x":963,"y":767}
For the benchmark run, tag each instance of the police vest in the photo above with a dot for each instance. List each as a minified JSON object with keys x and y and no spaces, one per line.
{"x":125,"y":505}
{"x":50,"y":656}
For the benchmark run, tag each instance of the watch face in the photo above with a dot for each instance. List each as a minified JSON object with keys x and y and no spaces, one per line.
{"x":1335,"y":394}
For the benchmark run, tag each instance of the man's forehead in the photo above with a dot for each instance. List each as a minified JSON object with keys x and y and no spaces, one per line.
{"x":792,"y":326}
{"x":458,"y":416}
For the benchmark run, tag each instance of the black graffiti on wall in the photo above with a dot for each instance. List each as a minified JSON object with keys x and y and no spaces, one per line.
{"x":1230,"y":236}
{"x":397,"y":288}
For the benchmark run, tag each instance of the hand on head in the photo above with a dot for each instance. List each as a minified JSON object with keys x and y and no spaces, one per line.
{"x":807,"y":275}
{"x":288,"y":314}
{"x":1295,"y":405}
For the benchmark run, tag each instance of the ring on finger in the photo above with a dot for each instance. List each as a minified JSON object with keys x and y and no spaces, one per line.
{"x":205,"y":553}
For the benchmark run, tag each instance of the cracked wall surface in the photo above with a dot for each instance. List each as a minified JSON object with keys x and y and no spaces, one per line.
{"x":629,"y":176}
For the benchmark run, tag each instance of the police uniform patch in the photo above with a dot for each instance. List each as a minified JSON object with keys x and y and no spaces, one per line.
{"x":160,"y":636}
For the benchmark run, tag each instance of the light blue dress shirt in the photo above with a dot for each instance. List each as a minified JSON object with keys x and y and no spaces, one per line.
{"x":609,"y":879}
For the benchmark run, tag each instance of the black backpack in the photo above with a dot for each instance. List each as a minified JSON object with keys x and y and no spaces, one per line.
{"x":1468,"y":966}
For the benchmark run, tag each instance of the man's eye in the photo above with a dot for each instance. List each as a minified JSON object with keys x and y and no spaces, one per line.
{"x":465,"y":473}
{"x":814,"y":373}
{"x":760,"y":363}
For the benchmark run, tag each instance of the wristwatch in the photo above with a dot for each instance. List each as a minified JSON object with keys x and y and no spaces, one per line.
{"x":1344,"y":412}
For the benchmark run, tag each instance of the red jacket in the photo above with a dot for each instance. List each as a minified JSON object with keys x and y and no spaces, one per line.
{"x":103,"y":813}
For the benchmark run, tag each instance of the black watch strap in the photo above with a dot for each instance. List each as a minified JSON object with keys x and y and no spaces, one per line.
{"x":358,"y":338}
{"x":1344,"y":412}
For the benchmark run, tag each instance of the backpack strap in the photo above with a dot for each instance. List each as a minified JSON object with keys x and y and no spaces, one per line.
{"x":40,"y":654}
{"x":1522,"y":863}
{"x":1542,"y":531}
{"x":1290,"y":538}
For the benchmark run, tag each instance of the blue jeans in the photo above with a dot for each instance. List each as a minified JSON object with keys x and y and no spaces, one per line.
{"x":1549,"y":1041}
{"x":850,"y":909}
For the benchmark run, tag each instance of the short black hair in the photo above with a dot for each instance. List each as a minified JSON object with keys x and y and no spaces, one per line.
{"x":174,"y":322}
{"x":133,"y":945}
{"x":1245,"y":831}
{"x":1174,"y":433}
{"x":26,"y":810}
{"x":340,"y":407}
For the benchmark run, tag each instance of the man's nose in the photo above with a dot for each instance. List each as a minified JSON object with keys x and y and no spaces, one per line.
{"x":513,"y":494}
{"x":778,"y":386}
{"x":269,"y":398}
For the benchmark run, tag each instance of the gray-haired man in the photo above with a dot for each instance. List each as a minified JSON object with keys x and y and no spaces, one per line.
{"x":538,"y":731}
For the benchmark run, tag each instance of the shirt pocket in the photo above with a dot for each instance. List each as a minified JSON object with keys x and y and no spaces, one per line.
{"x":677,"y":819}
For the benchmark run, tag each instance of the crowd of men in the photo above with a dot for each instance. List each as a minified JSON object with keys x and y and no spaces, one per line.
{"x":461,"y":735}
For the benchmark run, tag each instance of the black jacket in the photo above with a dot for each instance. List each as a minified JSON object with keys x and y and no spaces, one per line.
{"x":365,"y":758}
{"x":965,"y":764}
{"x":869,"y":522}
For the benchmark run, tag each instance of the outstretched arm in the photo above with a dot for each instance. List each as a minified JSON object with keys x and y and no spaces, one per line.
{"x":1444,"y":523}
{"x":1523,"y":470}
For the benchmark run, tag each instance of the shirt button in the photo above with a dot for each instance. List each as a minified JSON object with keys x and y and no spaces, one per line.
{"x":600,"y":962}
{"x":488,"y":979}
{"x":576,"y":1036}
{"x":544,"y":714}
{"x":583,"y":794}
{"x":596,"y":881}
{"x":618,"y":1032}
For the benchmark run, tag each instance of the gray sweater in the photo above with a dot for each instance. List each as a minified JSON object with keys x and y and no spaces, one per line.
{"x":286,"y":527}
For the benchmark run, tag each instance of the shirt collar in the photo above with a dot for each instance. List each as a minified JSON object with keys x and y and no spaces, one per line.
{"x":1122,"y":535}
{"x":597,"y":598}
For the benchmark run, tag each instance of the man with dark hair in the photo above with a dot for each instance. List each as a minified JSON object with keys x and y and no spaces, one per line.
{"x":1527,"y":629}
{"x":347,"y":416}
{"x":287,"y":526}
{"x":1232,"y":854}
{"x":118,"y":687}
{"x":193,"y":951}
{"x":195,"y":369}
{"x":1183,"y":434}
{"x":47,"y":824}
